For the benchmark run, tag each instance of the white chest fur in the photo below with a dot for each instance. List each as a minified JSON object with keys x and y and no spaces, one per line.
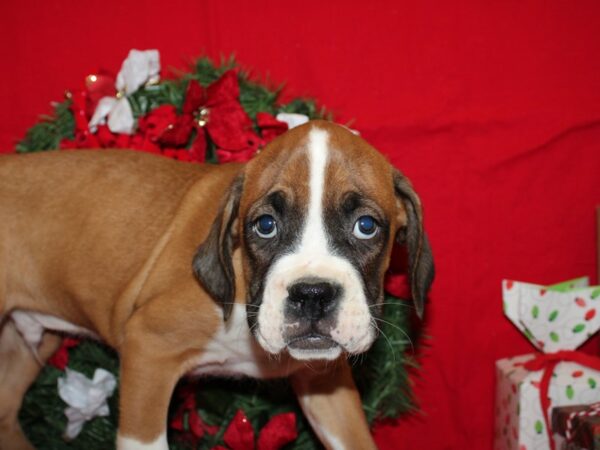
{"x":233,"y":351}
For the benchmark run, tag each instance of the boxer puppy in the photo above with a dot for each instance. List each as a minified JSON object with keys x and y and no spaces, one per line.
{"x":238,"y":270}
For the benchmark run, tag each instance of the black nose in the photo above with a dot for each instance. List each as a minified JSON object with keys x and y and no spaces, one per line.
{"x":314,"y":299}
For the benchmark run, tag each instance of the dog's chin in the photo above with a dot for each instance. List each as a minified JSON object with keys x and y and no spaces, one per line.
{"x":313,"y":347}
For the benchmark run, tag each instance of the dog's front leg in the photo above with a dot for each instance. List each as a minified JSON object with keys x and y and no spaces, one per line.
{"x":147,"y":383}
{"x":333,"y":407}
{"x":150,"y":368}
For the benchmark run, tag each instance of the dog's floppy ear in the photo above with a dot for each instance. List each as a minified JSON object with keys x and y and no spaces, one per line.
{"x":420,"y":259}
{"x":213,"y":263}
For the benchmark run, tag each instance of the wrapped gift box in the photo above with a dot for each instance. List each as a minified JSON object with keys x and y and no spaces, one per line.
{"x":519,"y":419}
{"x":578,"y":426}
{"x":556,"y":318}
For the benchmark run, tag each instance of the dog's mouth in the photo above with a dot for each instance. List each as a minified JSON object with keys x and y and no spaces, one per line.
{"x":312,"y":341}
{"x":313,"y":346}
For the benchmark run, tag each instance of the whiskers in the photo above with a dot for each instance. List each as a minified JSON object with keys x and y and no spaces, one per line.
{"x":399,"y":303}
{"x":374,"y":321}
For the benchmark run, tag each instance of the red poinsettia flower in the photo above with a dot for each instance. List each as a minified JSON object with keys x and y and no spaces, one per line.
{"x":213,"y":113}
{"x":270,"y":127}
{"x":278,"y":432}
{"x":188,"y":408}
{"x":218,"y":112}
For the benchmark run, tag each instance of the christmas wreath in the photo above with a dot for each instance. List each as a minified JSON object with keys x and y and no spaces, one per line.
{"x":213,"y":113}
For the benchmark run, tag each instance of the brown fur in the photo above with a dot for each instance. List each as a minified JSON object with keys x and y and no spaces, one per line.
{"x":105,"y":240}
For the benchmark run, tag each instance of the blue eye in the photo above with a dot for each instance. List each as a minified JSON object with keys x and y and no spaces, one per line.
{"x":265,"y":226}
{"x":365,"y":227}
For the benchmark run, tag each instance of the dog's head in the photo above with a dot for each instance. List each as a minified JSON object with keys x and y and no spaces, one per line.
{"x":316,"y":214}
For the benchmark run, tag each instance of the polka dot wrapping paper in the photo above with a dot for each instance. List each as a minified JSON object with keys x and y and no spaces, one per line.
{"x":557,"y":318}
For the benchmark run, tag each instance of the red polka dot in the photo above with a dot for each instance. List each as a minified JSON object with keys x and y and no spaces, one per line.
{"x":580,"y":302}
{"x":590,"y":314}
{"x":577,"y":373}
{"x":509,"y":284}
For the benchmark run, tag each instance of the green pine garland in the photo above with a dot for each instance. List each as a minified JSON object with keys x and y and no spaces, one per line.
{"x":381,"y":374}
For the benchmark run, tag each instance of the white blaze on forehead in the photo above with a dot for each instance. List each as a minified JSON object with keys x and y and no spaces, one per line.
{"x":313,"y":258}
{"x":314,"y":238}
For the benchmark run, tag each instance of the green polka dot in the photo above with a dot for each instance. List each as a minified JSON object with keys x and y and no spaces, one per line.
{"x":553,"y":315}
{"x":579,"y":328}
{"x":553,"y":336}
{"x":535,"y":311}
{"x":570,"y":392}
{"x":591,"y":383}
{"x":595,"y":293}
{"x":539,"y":427}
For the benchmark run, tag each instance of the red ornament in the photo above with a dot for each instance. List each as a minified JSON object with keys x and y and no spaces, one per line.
{"x":97,"y":86}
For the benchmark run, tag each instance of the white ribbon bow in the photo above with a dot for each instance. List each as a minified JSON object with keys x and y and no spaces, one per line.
{"x":295,"y":120}
{"x":139,"y":68}
{"x":292,"y":119}
{"x":86,"y":398}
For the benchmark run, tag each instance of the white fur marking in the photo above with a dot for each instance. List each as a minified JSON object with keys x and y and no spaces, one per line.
{"x":126,"y":443}
{"x":325,"y":435}
{"x":233,"y":351}
{"x":333,"y":441}
{"x":314,"y":238}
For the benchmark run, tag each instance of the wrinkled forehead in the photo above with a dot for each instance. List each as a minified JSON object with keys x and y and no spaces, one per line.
{"x":320,"y":155}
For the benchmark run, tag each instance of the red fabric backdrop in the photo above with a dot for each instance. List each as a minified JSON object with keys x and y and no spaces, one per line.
{"x":492,"y":108}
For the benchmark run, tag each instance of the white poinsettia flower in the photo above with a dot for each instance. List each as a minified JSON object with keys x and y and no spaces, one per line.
{"x":140,"y":67}
{"x":86,"y":398}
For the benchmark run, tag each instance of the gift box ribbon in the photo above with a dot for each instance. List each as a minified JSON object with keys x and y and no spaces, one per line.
{"x":547,"y":362}
{"x":593,"y":410}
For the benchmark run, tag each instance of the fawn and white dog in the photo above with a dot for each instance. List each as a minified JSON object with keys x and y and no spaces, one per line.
{"x":203,"y":269}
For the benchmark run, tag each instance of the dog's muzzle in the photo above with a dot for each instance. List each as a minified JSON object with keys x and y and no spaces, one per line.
{"x":310,"y":314}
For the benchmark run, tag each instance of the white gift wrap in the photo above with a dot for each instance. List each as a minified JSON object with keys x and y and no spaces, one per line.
{"x":558,"y":317}
{"x":519,"y":420}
